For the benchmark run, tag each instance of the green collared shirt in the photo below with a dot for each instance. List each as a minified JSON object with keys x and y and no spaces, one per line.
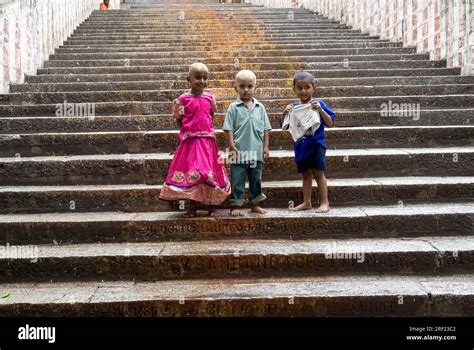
{"x":249,"y":127}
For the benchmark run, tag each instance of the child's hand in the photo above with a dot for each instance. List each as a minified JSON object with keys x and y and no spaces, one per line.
{"x":316,"y":106}
{"x":266,"y":153}
{"x":288,"y":109}
{"x":178,"y":109}
{"x":214,"y":105}
{"x":234,"y":152}
{"x":233,"y":156}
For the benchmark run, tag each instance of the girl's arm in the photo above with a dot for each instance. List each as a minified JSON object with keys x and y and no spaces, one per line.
{"x":177,"y":112}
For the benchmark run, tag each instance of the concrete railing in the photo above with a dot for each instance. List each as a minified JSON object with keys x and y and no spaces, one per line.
{"x":444,"y":28}
{"x":30,"y":30}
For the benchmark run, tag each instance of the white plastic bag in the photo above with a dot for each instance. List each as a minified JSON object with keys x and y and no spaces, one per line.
{"x":301,"y":120}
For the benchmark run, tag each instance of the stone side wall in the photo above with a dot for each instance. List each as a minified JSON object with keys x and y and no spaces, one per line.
{"x":30,"y":30}
{"x":444,"y":28}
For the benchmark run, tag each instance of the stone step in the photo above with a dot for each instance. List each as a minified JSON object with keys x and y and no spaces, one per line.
{"x":112,"y":58}
{"x":137,"y":16}
{"x":220,"y":21}
{"x":152,"y":168}
{"x":140,"y":102}
{"x":175,"y":24}
{"x":172,"y":21}
{"x":166,"y":7}
{"x":188,"y":43}
{"x":48,"y":124}
{"x":148,"y":92}
{"x":280,"y":194}
{"x":76,"y":83}
{"x":221,"y":36}
{"x":193,"y":3}
{"x":263,"y":94}
{"x":196,"y":12}
{"x":218,"y":40}
{"x":336,"y":296}
{"x":283,"y":43}
{"x":198,"y":17}
{"x":235,"y":18}
{"x":156,"y":66}
{"x":360,"y":222}
{"x":170,"y":30}
{"x":372,"y":103}
{"x":283,"y":29}
{"x":51,"y":76}
{"x":240,"y":258}
{"x":63,"y":144}
{"x":325,"y":34}
{"x":230,"y":63}
{"x":168,"y":47}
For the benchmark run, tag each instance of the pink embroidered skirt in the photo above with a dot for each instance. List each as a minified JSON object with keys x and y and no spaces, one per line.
{"x":197,"y":173}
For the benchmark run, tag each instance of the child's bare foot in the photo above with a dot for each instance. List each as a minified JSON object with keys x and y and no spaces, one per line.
{"x":211,"y":211}
{"x":235,"y":212}
{"x":258,"y":210}
{"x":191,"y":213}
{"x":323,"y":208}
{"x":303,"y":206}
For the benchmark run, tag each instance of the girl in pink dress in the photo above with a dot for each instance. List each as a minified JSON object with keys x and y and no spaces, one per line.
{"x":197,"y":172}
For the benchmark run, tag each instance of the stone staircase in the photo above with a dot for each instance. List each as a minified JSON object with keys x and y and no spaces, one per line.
{"x":82,"y":190}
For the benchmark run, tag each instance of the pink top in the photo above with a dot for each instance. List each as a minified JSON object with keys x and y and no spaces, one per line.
{"x":197,"y":119}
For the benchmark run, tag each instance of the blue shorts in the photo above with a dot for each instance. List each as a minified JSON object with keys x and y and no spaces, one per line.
{"x":317,"y":160}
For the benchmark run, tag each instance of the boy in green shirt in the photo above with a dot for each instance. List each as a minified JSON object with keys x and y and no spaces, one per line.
{"x":247,"y":127}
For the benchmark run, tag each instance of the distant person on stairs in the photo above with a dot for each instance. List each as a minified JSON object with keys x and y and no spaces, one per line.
{"x":305,"y":120}
{"x":197,"y":172}
{"x":105,"y":5}
{"x":247,"y":127}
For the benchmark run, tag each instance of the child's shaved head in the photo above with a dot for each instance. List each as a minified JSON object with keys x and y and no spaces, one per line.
{"x":246,"y":75}
{"x":304,"y":76}
{"x":198,"y":67}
